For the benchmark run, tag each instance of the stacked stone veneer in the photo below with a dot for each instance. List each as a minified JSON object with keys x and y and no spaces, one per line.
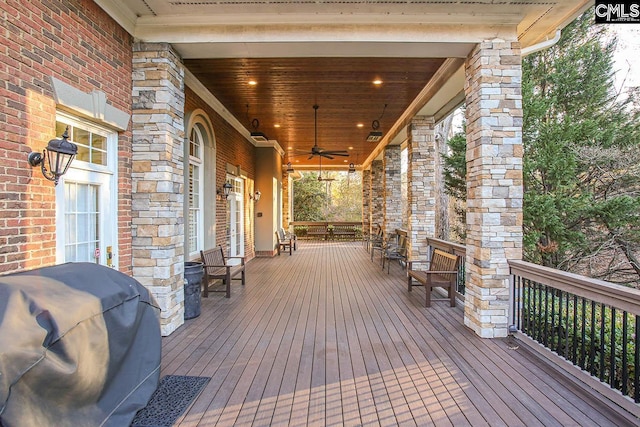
{"x":421,"y":196}
{"x":392,"y":200}
{"x":494,"y":182}
{"x":377,"y":193}
{"x":158,"y":178}
{"x":366,"y":201}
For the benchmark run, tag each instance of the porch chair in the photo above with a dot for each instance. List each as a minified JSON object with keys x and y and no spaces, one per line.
{"x":218,"y":268}
{"x":287,"y":235}
{"x":283,"y":243}
{"x":396,"y":251}
{"x":442,"y":273}
{"x":375,"y":238}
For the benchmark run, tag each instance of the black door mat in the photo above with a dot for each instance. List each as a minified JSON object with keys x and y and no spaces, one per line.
{"x":174,"y":395}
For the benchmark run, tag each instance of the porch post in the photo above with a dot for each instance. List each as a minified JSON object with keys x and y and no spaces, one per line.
{"x":377,"y":193}
{"x":286,"y":201}
{"x":392,"y":199}
{"x":494,"y":182}
{"x":421,"y":186}
{"x":158,"y":178}
{"x":366,"y":201}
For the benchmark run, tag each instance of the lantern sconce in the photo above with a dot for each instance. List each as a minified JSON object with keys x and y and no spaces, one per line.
{"x":256,"y":196}
{"x":352,"y":168}
{"x":57,"y":156}
{"x":290,"y":168}
{"x":224,"y":191}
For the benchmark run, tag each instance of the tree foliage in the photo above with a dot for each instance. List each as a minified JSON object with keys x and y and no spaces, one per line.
{"x":337,"y":200}
{"x":581,"y":175}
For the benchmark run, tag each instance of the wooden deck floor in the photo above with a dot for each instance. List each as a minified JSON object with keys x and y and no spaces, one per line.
{"x":325,"y":337}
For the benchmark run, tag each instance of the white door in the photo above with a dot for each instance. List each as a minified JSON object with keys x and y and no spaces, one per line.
{"x":235,"y":218}
{"x":86,"y":230}
{"x":87,"y":199}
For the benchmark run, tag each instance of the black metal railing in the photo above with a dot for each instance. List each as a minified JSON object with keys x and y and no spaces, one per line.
{"x":593,"y":324}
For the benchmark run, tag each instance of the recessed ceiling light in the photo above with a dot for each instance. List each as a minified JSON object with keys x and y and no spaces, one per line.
{"x":377,"y":82}
{"x":252,"y":82}
{"x":360,"y":125}
{"x":276,"y":125}
{"x":350,"y":148}
{"x":345,"y":161}
{"x":289,"y":148}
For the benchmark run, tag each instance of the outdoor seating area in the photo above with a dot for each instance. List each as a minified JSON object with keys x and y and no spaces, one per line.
{"x":328,"y":338}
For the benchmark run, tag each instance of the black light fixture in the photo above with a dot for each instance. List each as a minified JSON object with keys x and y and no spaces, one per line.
{"x":352,"y":168}
{"x":224,"y":192}
{"x":375,"y":135}
{"x":58,"y":155}
{"x":290,"y":168}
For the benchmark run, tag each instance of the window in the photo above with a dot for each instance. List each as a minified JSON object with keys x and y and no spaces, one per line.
{"x":195,"y":225}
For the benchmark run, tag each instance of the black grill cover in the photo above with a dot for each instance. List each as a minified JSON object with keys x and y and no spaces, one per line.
{"x":79,"y":346}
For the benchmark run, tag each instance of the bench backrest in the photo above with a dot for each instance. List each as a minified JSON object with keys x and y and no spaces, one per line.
{"x":213,"y":257}
{"x":443,"y":261}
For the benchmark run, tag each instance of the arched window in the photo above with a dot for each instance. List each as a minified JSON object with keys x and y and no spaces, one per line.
{"x":196,"y":199}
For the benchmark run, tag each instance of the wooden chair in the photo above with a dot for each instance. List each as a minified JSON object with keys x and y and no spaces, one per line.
{"x":283,"y":243}
{"x":396,"y":251}
{"x":442,"y":273}
{"x":217,"y":268}
{"x":286,"y":235}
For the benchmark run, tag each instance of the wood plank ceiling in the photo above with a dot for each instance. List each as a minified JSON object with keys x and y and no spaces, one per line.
{"x":287,"y":88}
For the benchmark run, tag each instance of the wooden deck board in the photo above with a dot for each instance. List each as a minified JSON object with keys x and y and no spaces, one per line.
{"x":326,"y":337}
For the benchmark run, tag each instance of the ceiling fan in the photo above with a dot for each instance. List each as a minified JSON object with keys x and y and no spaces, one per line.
{"x":317,"y":151}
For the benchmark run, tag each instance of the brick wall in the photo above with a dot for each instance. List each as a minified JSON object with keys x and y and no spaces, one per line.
{"x":79,"y":44}
{"x":231,"y":148}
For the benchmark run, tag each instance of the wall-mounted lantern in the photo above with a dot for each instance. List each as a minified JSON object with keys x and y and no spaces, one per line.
{"x":224,"y":191}
{"x":58,"y":156}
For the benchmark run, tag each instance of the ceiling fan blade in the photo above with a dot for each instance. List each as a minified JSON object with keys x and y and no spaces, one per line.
{"x":327,"y":156}
{"x":336,"y":152}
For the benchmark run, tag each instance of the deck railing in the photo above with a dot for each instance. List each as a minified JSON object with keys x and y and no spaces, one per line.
{"x":453,"y":248}
{"x":591,"y":323}
{"x":327,"y":230}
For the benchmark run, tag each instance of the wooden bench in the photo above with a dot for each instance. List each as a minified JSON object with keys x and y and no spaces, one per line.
{"x":217,"y":268}
{"x":344,"y":231}
{"x":318,"y":231}
{"x":442,"y":273}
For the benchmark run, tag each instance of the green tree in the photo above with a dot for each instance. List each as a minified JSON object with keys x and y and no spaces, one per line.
{"x":309,"y":198}
{"x":581,"y":174}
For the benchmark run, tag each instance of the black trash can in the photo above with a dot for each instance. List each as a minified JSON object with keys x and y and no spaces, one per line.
{"x":193,"y":273}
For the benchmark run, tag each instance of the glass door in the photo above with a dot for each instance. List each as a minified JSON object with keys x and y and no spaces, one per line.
{"x":235,"y":217}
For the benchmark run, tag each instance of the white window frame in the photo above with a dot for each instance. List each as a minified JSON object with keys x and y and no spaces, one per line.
{"x":196,"y":161}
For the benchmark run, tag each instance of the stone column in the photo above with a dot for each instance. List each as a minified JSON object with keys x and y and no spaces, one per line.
{"x":392,"y":200}
{"x":494,"y":182}
{"x":377,"y":193}
{"x":158,"y":178}
{"x":421,"y":195}
{"x":366,"y":201}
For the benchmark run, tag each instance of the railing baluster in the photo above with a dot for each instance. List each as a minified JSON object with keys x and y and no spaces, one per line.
{"x":625,"y":345}
{"x":612,"y":351}
{"x":545,"y":336}
{"x":583,"y":356}
{"x":603,"y":315}
{"x":592,"y":344}
{"x":636,"y":362}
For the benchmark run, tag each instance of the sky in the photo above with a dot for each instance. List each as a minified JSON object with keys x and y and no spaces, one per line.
{"x":627,"y":56}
